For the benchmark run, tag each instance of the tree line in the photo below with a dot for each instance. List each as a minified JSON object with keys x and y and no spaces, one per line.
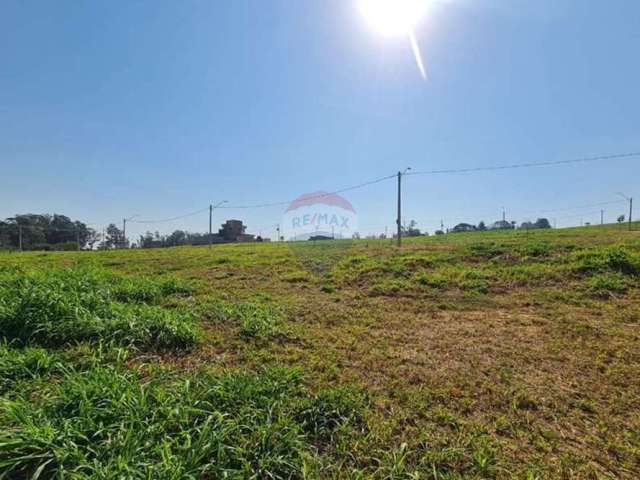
{"x":59,"y":232}
{"x":45,"y":232}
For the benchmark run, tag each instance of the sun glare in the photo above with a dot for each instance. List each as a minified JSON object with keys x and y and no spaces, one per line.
{"x":392,"y":17}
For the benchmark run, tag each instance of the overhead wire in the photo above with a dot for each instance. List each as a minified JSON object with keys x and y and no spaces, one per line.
{"x":524,"y":165}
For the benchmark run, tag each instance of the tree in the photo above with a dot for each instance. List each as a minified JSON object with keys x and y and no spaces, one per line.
{"x":527,"y":226}
{"x":146,"y":240}
{"x":45,"y":232}
{"x":114,"y":237}
{"x":178,"y":237}
{"x":621,"y":218}
{"x":542,"y":223}
{"x":92,"y":238}
{"x":439,"y":232}
{"x":481,"y":226}
{"x":411,"y":230}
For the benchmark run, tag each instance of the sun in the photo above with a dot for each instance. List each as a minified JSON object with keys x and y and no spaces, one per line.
{"x":392,"y":17}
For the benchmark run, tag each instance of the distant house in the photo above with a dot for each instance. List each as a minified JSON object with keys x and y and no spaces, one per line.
{"x":233,"y":231}
{"x":463,"y":227}
{"x":502,"y":225}
{"x":320,"y":237}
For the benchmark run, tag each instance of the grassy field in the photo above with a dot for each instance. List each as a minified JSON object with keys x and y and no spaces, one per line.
{"x":481,"y":355}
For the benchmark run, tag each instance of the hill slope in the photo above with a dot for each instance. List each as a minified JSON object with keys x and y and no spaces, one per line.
{"x":480,"y":355}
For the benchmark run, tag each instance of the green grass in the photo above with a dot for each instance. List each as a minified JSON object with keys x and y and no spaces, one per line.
{"x":60,"y":307}
{"x":253,"y":319}
{"x":470,"y":356}
{"x":18,"y":365}
{"x":113,"y":422}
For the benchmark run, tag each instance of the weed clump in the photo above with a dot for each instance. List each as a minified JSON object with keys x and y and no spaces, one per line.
{"x":607,"y":285}
{"x":255,"y":320}
{"x":433,"y":280}
{"x":146,"y":290}
{"x":535,"y":249}
{"x":486,"y":250}
{"x":62,"y":307}
{"x":23,"y":364}
{"x":322,"y":415}
{"x":610,"y":259}
{"x":109,"y":422}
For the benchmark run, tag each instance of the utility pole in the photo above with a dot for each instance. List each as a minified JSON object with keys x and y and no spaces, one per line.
{"x":211,"y":207}
{"x":601,"y":217}
{"x":20,"y":237}
{"x":630,"y":207}
{"x":124,"y":230}
{"x":399,"y":219}
{"x":210,"y":215}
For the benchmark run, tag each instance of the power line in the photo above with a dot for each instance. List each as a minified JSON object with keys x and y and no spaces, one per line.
{"x":424,"y":172}
{"x":322,"y":195}
{"x":163,"y":220}
{"x":526,"y":165}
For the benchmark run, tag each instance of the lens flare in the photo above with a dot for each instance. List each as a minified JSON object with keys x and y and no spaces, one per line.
{"x":392,"y":17}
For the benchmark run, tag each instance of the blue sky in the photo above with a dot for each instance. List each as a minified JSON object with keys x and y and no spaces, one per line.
{"x":156,"y":108}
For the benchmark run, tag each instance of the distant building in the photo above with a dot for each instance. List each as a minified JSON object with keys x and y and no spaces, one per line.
{"x":233,"y":231}
{"x":463,"y":227}
{"x":502,"y":225}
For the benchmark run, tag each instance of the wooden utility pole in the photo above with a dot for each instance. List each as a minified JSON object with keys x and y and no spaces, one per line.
{"x":399,"y":218}
{"x":210,"y":215}
{"x":124,"y":233}
{"x":630,"y":211}
{"x":211,"y":207}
